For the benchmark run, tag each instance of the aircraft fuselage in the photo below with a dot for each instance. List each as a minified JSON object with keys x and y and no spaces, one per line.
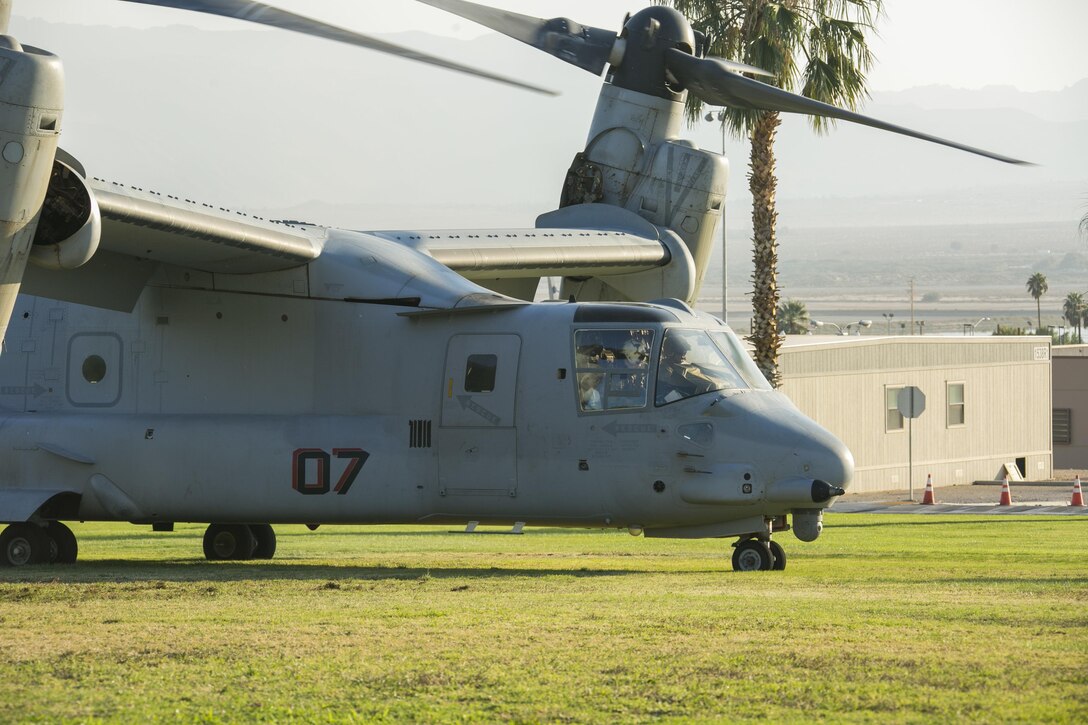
{"x":215,"y":406}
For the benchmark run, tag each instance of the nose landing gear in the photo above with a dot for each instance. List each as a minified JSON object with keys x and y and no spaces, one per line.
{"x":755,"y":554}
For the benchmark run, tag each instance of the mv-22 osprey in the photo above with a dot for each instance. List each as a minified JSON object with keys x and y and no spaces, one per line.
{"x":171,"y":362}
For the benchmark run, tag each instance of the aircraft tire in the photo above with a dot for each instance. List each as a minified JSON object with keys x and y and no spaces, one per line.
{"x":265,"y":541}
{"x":752,"y":555}
{"x":64,"y":549}
{"x":224,"y":542}
{"x":24,"y":543}
{"x":779,"y":555}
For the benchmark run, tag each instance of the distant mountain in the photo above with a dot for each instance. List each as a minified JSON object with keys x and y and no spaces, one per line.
{"x":856,"y":176}
{"x":1068,"y":104}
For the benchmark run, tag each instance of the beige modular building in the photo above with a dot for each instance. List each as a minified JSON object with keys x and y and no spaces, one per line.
{"x":987,"y":405}
{"x":1071,"y":406}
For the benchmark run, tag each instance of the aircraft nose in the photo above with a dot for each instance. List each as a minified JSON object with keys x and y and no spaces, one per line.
{"x":787,"y":444}
{"x":827,"y":459}
{"x":820,"y":469}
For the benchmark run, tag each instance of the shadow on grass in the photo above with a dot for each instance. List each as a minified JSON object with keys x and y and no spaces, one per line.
{"x":353,"y":530}
{"x":1044,"y":583}
{"x":123,"y":571}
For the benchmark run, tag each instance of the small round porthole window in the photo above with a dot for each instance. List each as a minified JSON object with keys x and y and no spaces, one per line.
{"x":94,"y":369}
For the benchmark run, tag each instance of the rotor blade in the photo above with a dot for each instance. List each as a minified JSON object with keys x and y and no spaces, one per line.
{"x":711,"y":80}
{"x":738,"y":67}
{"x":580,"y":45}
{"x":257,"y":12}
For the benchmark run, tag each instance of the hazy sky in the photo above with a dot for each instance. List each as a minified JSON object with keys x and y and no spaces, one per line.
{"x":482,"y":128}
{"x":1030,"y":44}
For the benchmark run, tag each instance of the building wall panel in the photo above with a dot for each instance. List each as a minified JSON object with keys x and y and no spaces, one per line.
{"x":1071,"y":393}
{"x":1007,"y":410}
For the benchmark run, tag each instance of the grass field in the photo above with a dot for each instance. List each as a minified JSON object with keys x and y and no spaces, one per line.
{"x":902,"y":619}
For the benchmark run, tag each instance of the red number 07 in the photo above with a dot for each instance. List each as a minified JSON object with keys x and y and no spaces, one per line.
{"x":355,"y":457}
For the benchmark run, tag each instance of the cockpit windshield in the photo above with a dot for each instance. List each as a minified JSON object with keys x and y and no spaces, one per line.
{"x":691,"y":364}
{"x":731,"y":347}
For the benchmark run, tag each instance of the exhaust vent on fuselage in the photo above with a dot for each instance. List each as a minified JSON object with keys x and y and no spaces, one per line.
{"x":419,"y":434}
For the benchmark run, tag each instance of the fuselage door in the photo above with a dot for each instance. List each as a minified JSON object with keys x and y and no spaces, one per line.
{"x":477,"y":437}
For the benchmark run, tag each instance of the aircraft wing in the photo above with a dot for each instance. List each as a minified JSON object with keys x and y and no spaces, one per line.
{"x":190,"y":234}
{"x":142,"y":230}
{"x":585,"y":240}
{"x":522,"y":253}
{"x":186,"y":233}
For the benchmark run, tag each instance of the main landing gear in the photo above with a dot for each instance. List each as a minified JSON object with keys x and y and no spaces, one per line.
{"x":27,"y":543}
{"x":754,"y":554}
{"x":31,"y":543}
{"x":239,"y":542}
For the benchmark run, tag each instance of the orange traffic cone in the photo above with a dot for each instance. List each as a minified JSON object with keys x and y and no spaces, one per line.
{"x":1006,"y":496}
{"x":1078,"y":495}
{"x":927,"y":497}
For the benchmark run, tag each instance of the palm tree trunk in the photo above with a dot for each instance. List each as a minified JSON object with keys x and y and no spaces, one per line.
{"x":1038,"y":313}
{"x":762,"y":183}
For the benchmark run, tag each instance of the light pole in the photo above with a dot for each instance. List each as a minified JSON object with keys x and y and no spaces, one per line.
{"x":973,"y":325}
{"x":821,"y":323}
{"x":888,"y":316}
{"x":857,"y":326}
{"x":912,"y":305}
{"x":921,"y":327}
{"x":720,"y":116}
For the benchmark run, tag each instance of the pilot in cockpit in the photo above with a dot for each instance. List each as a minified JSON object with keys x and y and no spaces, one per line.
{"x":676,"y":377}
{"x":589,"y":392}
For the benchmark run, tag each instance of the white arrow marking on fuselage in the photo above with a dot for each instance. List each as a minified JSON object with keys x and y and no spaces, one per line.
{"x":613,"y":429}
{"x":34,"y":390}
{"x":467,"y":402}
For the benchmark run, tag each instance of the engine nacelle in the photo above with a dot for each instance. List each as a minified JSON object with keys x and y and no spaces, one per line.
{"x":70,"y":225}
{"x":634,"y":159}
{"x":31,"y":100}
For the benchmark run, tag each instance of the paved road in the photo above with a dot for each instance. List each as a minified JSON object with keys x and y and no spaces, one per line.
{"x":1052,"y":508}
{"x":1028,"y":498}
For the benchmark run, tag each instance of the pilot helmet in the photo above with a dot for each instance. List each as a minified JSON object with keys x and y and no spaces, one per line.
{"x":635,"y":350}
{"x":674,"y":347}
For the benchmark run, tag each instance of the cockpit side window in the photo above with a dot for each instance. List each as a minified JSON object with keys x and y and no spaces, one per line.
{"x":612,"y":368}
{"x":690,"y":365}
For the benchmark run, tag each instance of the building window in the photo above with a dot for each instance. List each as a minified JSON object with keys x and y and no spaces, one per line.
{"x":893,"y":419}
{"x":1063,"y":426}
{"x":956,"y":405}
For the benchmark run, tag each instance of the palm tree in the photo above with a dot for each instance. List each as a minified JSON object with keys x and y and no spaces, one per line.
{"x":1082,"y":321}
{"x":818,"y":45}
{"x":792,"y":317}
{"x":1037,"y":287}
{"x":1074,"y":309}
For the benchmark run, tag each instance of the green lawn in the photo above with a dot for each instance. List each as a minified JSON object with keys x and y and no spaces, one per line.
{"x":900,"y":619}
